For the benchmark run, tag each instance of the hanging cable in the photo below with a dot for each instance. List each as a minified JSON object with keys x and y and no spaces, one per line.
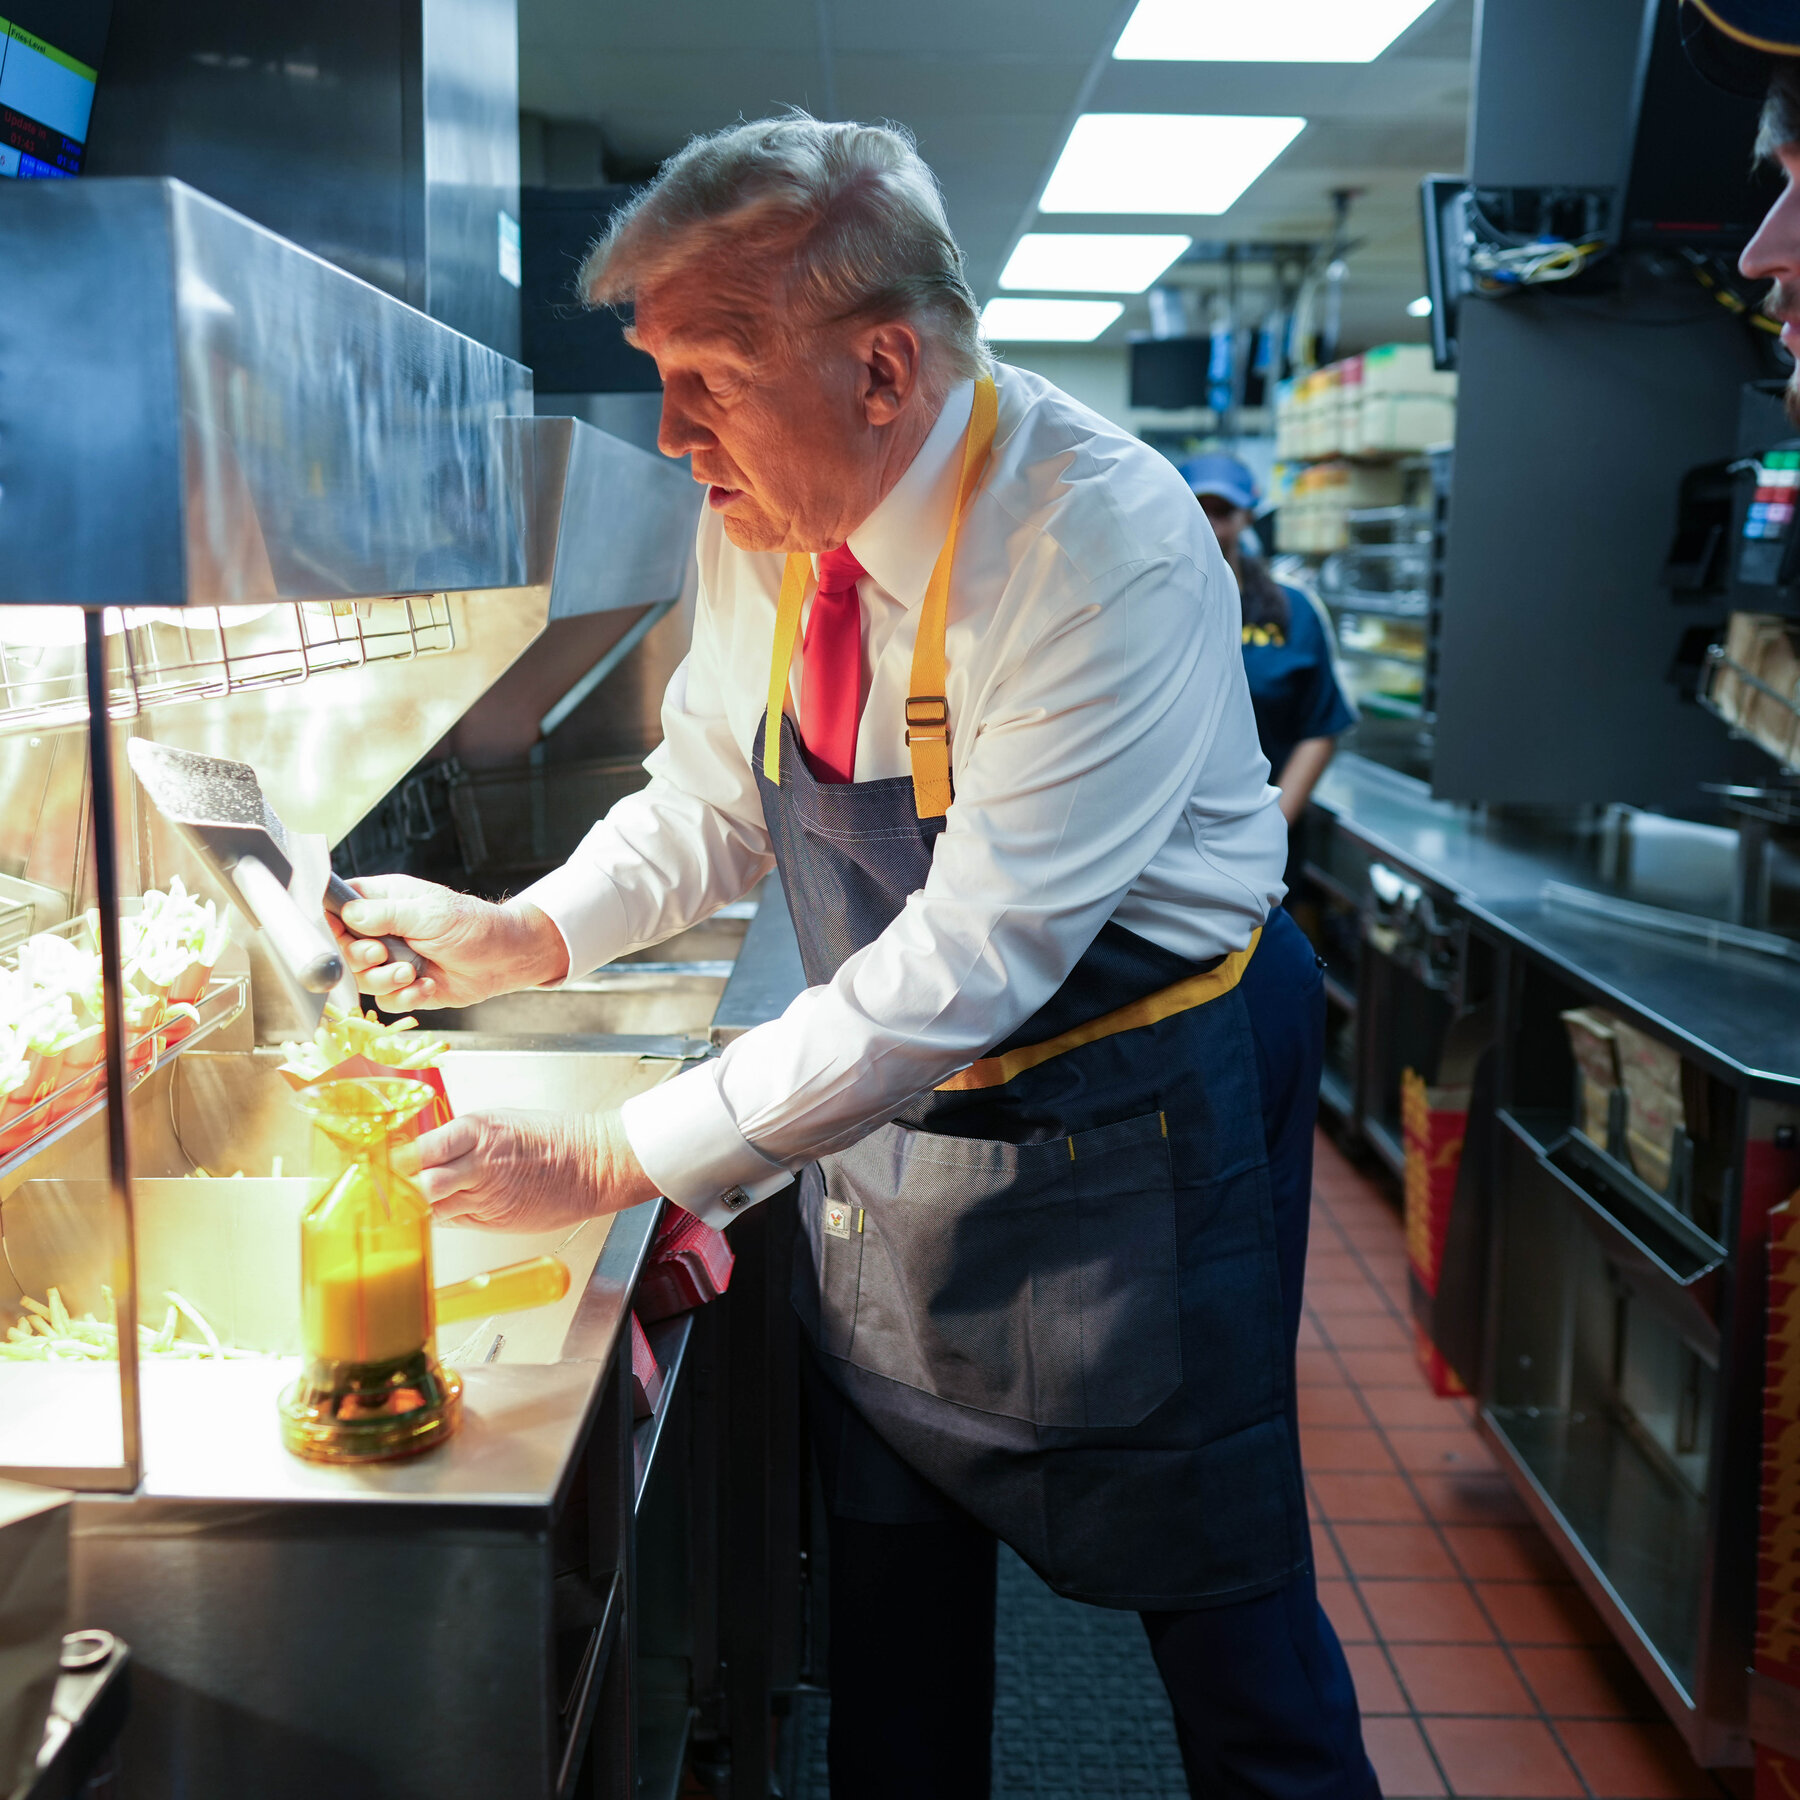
{"x":1727,"y":296}
{"x":1502,"y":262}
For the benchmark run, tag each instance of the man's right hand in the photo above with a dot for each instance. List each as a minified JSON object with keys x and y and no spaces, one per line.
{"x":469,"y":949}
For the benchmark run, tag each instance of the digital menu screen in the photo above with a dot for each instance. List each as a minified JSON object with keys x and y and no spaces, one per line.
{"x":49,"y":65}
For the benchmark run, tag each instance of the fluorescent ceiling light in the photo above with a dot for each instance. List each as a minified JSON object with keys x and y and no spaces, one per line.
{"x":1163,"y":162}
{"x":1090,"y":262}
{"x":1312,"y":31}
{"x":1047,"y":321}
{"x":1420,"y":308}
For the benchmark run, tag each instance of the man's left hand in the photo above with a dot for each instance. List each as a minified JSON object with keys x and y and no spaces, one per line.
{"x":528,"y":1171}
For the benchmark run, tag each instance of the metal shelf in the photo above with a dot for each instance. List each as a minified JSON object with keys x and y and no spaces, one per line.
{"x":15,"y":921}
{"x":1389,"y":515}
{"x":1401,"y":603}
{"x":1717,"y":664}
{"x":665,"y":1720}
{"x":1682,"y":1251}
{"x":1385,"y":1145}
{"x":157,"y":656}
{"x":64,"y":1108}
{"x":1528,"y":1450}
{"x":1397,"y":551}
{"x":1770,"y":805}
{"x":1334,"y":1093}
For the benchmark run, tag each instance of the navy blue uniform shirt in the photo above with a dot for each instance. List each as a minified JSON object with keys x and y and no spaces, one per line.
{"x":1293,"y":680}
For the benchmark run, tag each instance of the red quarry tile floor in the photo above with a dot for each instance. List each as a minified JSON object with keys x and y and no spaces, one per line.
{"x":1482,"y":1670}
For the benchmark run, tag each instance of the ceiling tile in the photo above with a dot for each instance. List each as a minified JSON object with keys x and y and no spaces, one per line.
{"x":989,"y":87}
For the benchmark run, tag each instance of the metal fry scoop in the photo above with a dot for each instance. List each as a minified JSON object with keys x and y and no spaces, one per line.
{"x":218,"y":807}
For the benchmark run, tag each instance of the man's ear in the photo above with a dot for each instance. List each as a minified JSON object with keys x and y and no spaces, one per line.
{"x":892,"y":356}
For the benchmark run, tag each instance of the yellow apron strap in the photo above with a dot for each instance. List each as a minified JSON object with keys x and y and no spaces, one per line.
{"x":927,"y":710}
{"x":794,"y":577}
{"x":1165,"y":1003}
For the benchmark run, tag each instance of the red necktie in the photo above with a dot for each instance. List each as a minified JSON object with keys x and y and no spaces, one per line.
{"x":831,"y":669}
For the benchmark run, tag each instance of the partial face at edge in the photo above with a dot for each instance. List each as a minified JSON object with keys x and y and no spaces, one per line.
{"x":783,"y":428}
{"x":1774,"y":255}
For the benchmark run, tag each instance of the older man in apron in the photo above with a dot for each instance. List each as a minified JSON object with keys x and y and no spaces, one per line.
{"x":965,"y":671}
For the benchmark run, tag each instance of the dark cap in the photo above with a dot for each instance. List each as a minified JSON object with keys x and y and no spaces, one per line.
{"x":1224,"y":476}
{"x":1733,"y":42}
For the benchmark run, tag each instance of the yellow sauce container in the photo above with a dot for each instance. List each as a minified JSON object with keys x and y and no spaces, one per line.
{"x":371,"y":1388}
{"x":368,"y":1307}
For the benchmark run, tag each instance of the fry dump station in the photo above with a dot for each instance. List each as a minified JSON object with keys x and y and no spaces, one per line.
{"x":222,"y":641}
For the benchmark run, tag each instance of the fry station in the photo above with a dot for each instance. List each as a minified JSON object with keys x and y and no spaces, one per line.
{"x":264,"y":520}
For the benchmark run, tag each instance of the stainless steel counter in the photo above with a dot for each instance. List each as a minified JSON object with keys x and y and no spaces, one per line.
{"x":1737,"y":1010}
{"x":1450,"y":844}
{"x":481,"y":1595}
{"x":213,"y":1429}
{"x":768,"y":977}
{"x":473,"y":1598}
{"x":1586,"y":1301}
{"x":1733,"y":1009}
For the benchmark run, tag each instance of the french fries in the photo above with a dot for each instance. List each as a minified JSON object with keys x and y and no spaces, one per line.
{"x":171,"y":941}
{"x":51,"y":1006}
{"x":344,"y":1035}
{"x":48,"y":1332}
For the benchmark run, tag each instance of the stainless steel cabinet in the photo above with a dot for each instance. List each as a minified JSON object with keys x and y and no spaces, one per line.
{"x":1622,"y":1384}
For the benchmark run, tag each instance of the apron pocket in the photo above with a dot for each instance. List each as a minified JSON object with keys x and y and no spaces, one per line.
{"x":1035,"y":1281}
{"x":833,"y":1228}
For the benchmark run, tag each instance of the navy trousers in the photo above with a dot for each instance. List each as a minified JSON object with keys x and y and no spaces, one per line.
{"x":1263,"y":1701}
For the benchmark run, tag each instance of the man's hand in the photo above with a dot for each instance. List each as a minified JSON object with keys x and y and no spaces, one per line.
{"x":527,"y":1171}
{"x":469,"y":949}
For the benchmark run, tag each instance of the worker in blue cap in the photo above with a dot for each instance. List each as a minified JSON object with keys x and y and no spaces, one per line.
{"x":1301,"y":706}
{"x":1753,"y":47}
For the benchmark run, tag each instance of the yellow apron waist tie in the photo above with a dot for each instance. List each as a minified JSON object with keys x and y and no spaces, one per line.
{"x":1165,"y":1003}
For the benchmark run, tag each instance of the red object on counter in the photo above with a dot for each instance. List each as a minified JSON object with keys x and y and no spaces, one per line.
{"x":690,"y":1264}
{"x":646,"y":1374}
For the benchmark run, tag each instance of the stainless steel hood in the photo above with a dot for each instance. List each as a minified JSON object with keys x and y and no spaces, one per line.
{"x":613,"y":525}
{"x":198,"y":412}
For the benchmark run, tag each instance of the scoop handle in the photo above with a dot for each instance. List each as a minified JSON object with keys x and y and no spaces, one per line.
{"x":310,"y":955}
{"x":338,"y":894}
{"x":539,"y":1281}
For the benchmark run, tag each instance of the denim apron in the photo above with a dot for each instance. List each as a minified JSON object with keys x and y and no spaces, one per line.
{"x":1049,"y":1286}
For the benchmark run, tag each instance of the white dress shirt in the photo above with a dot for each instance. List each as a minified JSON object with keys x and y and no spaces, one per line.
{"x":1105,"y":761}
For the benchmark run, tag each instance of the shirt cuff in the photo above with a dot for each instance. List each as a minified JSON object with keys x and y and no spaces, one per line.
{"x":688,"y":1143}
{"x":585,"y":907}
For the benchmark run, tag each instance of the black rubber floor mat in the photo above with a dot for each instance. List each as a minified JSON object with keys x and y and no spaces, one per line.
{"x":1079,"y":1709}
